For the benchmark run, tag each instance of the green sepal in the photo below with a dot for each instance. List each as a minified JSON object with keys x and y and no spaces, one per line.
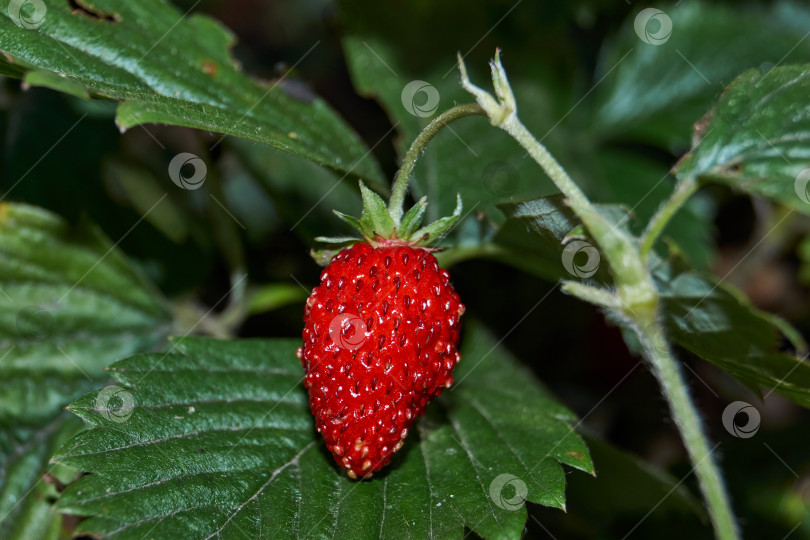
{"x":375,"y":220}
{"x":351,"y":220}
{"x":323,"y":257}
{"x":338,"y":239}
{"x":437,"y":230}
{"x":412,"y":219}
{"x":377,"y":227}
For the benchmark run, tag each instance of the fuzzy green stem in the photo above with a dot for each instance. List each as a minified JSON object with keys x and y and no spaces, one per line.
{"x":639,"y":302}
{"x":576,"y":198}
{"x":634,"y":283}
{"x":636,"y":298}
{"x":686,"y":417}
{"x":683,"y":190}
{"x":594,"y":295}
{"x":400,"y":188}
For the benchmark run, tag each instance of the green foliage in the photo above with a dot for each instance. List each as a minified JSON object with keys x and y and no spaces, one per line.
{"x":215,"y":437}
{"x":656,"y":93}
{"x":220,"y":441}
{"x":755,"y":137}
{"x":166,"y":67}
{"x":28,"y":483}
{"x":704,"y":315}
{"x":71,"y":305}
{"x":716,"y":322}
{"x":304,"y":207}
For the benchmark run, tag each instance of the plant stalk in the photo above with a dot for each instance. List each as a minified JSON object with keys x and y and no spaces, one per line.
{"x":403,"y":176}
{"x":683,"y":190}
{"x":683,"y":411}
{"x":576,"y":198}
{"x":633,"y":281}
{"x":640,"y":303}
{"x":636,"y":299}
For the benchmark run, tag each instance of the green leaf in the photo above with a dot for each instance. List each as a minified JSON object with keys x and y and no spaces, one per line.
{"x":274,"y":296}
{"x":537,"y":233}
{"x":717,"y":323}
{"x":25,"y":496}
{"x":755,"y":138}
{"x":653,"y":93}
{"x":70,"y":303}
{"x":626,"y":484}
{"x":221,"y":441}
{"x":642,"y":185}
{"x":54,"y":81}
{"x":702,"y":314}
{"x":302,"y":193}
{"x":167,"y":67}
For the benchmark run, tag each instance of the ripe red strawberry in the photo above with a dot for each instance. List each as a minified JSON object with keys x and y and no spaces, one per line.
{"x":379,"y":343}
{"x":380,"y":339}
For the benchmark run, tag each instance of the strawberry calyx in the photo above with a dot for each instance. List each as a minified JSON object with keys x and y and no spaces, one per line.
{"x":382,"y":226}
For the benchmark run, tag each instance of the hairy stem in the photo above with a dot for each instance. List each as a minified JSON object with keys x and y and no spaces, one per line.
{"x":686,"y":417}
{"x":683,"y":190}
{"x":400,"y":188}
{"x":636,"y":299}
{"x":576,"y":198}
{"x":594,"y":295}
{"x":634,"y":283}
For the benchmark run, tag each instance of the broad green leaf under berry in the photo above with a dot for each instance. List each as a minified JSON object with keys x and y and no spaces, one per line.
{"x":221,"y":442}
{"x":756,"y":137}
{"x":165,"y":66}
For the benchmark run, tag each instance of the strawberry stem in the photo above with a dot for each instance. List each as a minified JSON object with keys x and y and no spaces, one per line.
{"x":400,"y":187}
{"x":683,"y":191}
{"x":635,"y":299}
{"x":683,"y":411}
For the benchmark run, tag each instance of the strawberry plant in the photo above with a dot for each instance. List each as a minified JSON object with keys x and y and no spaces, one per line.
{"x":616,"y":207}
